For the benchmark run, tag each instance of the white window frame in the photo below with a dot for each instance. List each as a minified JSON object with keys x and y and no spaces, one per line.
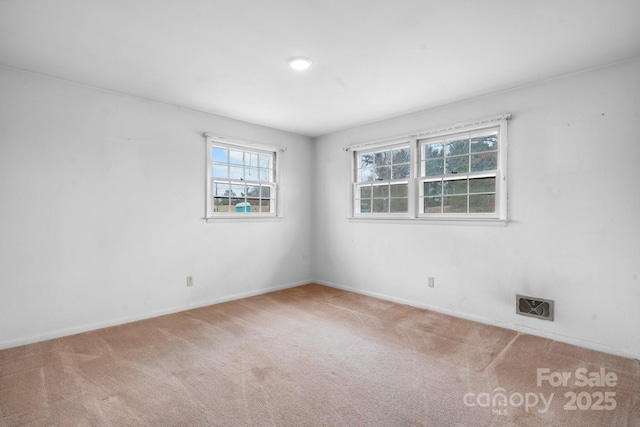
{"x":357,"y":183}
{"x":417,"y":143}
{"x":499,"y":173}
{"x":275,"y":153}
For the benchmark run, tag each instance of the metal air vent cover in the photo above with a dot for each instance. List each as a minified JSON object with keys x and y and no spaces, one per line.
{"x":534,"y":307}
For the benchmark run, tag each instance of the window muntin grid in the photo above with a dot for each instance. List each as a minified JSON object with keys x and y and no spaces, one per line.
{"x":383,"y":177}
{"x":242,"y":180}
{"x":459,"y":174}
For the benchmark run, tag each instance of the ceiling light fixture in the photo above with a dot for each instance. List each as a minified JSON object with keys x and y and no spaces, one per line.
{"x":299,"y":63}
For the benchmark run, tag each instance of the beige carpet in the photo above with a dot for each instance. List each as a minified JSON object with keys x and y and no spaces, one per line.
{"x":313,"y":356}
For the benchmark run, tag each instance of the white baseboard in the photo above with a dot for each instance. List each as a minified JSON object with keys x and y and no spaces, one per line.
{"x":623,"y":352}
{"x":123,"y":320}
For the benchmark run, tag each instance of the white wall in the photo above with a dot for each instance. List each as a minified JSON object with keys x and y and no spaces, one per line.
{"x":101,"y":200}
{"x":574,"y":235}
{"x":101,"y":197}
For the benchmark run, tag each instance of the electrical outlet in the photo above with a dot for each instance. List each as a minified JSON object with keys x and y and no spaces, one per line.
{"x":189,"y":280}
{"x":431,"y":282}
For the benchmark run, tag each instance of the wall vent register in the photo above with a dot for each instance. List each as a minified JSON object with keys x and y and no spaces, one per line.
{"x":534,"y":307}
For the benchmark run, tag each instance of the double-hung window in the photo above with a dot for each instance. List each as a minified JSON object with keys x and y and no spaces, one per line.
{"x":241,"y":179}
{"x":383,"y":180}
{"x":459,"y":174}
{"x":455,"y":173}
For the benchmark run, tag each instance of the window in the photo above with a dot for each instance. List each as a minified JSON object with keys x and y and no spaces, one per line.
{"x":382,"y":185}
{"x":459,"y":174}
{"x":241,"y":179}
{"x":456,"y":173}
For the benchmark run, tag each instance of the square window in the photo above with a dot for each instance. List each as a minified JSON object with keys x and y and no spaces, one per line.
{"x":240,"y":180}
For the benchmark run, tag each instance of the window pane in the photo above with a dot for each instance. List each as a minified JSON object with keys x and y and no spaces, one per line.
{"x":219,"y":154}
{"x":433,"y":188}
{"x":251,"y":174}
{"x":380,"y":191}
{"x":221,"y":204}
{"x":433,"y":205}
{"x":253,"y":159}
{"x":457,"y":148}
{"x":265,"y":175}
{"x":365,"y":206}
{"x":236,"y":172}
{"x":265,"y":206}
{"x":482,"y":203}
{"x":401,"y":171}
{"x":399,"y":190}
{"x":266,"y":192}
{"x":365,"y":192}
{"x":234,"y":203}
{"x":455,"y":204}
{"x":482,"y":185}
{"x":366,"y":175}
{"x":454,"y":187}
{"x":221,"y":189}
{"x":254,"y":206}
{"x":459,"y":164}
{"x":383,"y":158}
{"x":484,"y":143}
{"x":366,"y":160}
{"x":401,"y":155}
{"x":383,"y":173}
{"x":484,"y":161}
{"x":253,"y":191}
{"x":380,"y":205}
{"x":433,"y":151}
{"x":219,"y":171}
{"x":264,"y":161}
{"x":243,"y":206}
{"x":235,"y":157}
{"x":435,"y":167}
{"x":399,"y":205}
{"x":238,"y":190}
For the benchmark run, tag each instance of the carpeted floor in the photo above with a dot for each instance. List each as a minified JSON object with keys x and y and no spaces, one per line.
{"x":314,"y":356}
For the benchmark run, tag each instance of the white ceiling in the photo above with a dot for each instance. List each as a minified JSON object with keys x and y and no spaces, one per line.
{"x":373,"y":59}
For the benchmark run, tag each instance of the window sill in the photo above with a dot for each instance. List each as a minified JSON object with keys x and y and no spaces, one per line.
{"x":238,"y":218}
{"x":488,"y":222}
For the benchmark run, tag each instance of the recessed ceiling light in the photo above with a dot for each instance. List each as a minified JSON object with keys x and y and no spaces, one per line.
{"x":299,"y":63}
